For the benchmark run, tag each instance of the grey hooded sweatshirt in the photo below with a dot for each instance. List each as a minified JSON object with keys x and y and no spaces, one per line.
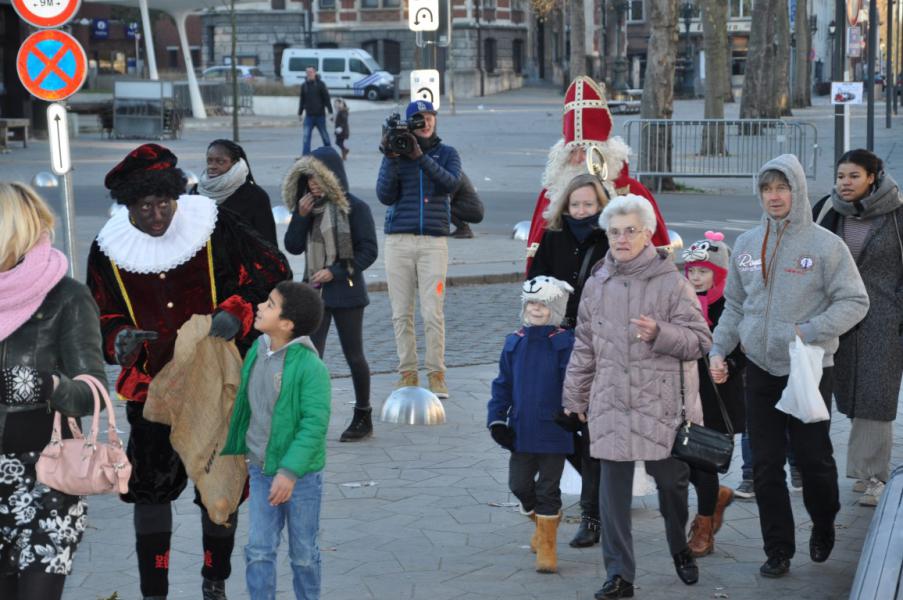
{"x":788,"y":272}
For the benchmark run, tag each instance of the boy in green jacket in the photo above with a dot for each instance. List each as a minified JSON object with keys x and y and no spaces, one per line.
{"x":279,"y":423}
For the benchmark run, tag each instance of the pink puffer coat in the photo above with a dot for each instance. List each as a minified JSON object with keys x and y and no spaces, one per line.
{"x":628,"y":388}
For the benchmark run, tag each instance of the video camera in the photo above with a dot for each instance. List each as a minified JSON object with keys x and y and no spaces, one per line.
{"x":394,"y":130}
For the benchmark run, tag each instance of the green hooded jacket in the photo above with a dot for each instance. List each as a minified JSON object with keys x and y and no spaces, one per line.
{"x":300,"y":418}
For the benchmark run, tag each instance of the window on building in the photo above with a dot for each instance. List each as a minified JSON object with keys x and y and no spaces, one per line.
{"x":277,"y":4}
{"x":371,"y":47}
{"x":369,"y":3}
{"x":739,"y":9}
{"x":327,"y":45}
{"x":196,"y":55}
{"x":356,"y":65}
{"x":327,"y":4}
{"x":517,"y":55}
{"x":738,"y":62}
{"x":211,"y":45}
{"x":172,"y":57}
{"x":278,"y":49}
{"x":333,"y":65}
{"x":635,"y":10}
{"x":391,"y":57}
{"x":489,"y":55}
{"x":391,"y":3}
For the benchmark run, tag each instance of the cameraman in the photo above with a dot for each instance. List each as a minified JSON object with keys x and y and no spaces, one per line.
{"x":416,"y":187}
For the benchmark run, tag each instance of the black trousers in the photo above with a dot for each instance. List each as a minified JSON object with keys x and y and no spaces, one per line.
{"x":706,"y":484}
{"x":541,"y":494}
{"x":769,"y":432}
{"x":349,"y":323}
{"x":589,"y":469}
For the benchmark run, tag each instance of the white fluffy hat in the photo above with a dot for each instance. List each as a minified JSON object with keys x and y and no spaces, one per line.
{"x":546,"y":290}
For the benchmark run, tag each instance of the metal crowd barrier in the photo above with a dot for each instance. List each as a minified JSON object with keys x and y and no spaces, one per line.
{"x":717,"y":147}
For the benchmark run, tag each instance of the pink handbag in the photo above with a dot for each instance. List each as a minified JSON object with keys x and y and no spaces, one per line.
{"x":84,"y":467}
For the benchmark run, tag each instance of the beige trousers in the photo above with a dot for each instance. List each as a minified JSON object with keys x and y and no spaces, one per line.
{"x":417,"y":265}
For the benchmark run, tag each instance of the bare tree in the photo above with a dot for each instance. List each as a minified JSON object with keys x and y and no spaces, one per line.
{"x":658,"y":91}
{"x":802,"y":78}
{"x":578,"y":39}
{"x":717,"y":79}
{"x":765,"y":85}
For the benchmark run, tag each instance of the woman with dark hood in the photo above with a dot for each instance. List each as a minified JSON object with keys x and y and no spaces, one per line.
{"x":335,"y":229}
{"x":229,"y":182}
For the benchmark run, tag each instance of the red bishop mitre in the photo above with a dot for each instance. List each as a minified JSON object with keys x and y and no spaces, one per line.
{"x":587,"y":119}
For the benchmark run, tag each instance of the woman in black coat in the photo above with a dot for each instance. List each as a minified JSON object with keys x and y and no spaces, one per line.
{"x":49,"y":334}
{"x":570,"y":246}
{"x":866,"y":210}
{"x":336,"y":231}
{"x":228,"y":181}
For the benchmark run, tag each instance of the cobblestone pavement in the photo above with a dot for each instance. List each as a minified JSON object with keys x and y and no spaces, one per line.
{"x":477,"y":319}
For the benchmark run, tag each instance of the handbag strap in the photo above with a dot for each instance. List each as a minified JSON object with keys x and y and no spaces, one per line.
{"x":584,"y":267}
{"x":683,"y":406}
{"x":99,"y":391}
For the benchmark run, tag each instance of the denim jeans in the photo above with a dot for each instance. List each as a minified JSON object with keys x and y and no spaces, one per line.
{"x":302,"y":512}
{"x":309,"y":124}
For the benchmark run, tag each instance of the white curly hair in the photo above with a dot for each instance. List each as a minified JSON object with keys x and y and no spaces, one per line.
{"x":629,"y":204}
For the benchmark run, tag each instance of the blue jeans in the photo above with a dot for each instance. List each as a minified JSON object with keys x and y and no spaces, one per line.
{"x":309,"y":124}
{"x":302,"y":511}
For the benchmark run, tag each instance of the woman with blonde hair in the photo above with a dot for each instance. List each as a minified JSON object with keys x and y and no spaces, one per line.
{"x":49,"y":333}
{"x":571,"y":245}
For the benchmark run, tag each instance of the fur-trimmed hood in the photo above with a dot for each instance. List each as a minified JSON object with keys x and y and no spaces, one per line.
{"x":319,"y":166}
{"x":558,"y":173}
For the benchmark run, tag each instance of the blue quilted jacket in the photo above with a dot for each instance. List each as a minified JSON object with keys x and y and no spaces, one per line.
{"x":417,"y":192}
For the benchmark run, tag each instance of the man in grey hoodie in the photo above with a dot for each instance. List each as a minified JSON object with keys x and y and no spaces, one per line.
{"x":788,"y":277}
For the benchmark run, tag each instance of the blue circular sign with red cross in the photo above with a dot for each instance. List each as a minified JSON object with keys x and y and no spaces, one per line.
{"x":52,"y":65}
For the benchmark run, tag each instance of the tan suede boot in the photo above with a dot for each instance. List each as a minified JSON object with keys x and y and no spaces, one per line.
{"x":725,"y":497}
{"x":534,"y":538}
{"x":702,"y":540}
{"x":547,"y":543}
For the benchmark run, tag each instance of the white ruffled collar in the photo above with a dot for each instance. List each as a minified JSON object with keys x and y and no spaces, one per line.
{"x":137,"y":252}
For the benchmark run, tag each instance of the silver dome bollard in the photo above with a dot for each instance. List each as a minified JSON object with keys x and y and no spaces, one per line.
{"x":412,"y":406}
{"x":521,"y":231}
{"x":281,"y":215}
{"x":45,"y":180}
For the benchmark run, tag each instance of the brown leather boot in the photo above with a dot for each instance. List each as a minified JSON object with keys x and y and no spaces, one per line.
{"x":702,"y":540}
{"x":547,"y":543}
{"x":725,"y":497}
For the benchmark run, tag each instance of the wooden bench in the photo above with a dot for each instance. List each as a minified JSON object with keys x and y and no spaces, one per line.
{"x":8,"y":124}
{"x":881,"y":562}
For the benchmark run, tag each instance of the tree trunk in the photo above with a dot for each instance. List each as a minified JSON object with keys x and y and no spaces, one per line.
{"x":578,"y":39}
{"x":658,"y":91}
{"x":802,"y":82}
{"x":765,"y":85}
{"x":714,"y":29}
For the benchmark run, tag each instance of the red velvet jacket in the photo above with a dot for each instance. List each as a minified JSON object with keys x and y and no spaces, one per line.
{"x":244,"y":271}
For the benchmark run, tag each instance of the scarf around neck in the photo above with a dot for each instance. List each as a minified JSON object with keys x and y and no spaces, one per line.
{"x":582,"y":228}
{"x":221,"y":187}
{"x":330,"y":239}
{"x":24,"y":287}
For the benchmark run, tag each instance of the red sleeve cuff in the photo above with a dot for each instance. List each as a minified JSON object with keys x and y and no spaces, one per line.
{"x":241,"y":309}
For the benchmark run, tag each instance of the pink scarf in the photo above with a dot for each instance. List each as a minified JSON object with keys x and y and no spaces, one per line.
{"x":710,"y":297}
{"x":24,"y":287}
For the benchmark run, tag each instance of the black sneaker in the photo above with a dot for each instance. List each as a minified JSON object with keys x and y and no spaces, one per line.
{"x":821,"y":543}
{"x":361,"y":426}
{"x":776,"y":566}
{"x":686,"y":568}
{"x":615,"y":587}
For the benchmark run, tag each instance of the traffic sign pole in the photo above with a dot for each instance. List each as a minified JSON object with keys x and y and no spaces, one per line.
{"x":61,"y":164}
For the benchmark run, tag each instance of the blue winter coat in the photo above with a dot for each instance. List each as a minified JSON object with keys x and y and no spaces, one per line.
{"x":527,"y":392}
{"x":417,"y":192}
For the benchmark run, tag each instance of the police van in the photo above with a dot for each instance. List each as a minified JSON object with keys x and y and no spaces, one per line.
{"x":345,"y":71}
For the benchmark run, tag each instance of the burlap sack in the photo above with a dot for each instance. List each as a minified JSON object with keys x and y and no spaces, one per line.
{"x":194,"y":394}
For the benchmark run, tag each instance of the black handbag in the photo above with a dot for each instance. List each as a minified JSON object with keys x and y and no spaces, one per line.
{"x":702,"y":447}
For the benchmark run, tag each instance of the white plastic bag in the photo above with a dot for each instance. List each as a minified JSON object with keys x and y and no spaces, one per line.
{"x":571,"y":483}
{"x":801,"y":397}
{"x":643,"y":483}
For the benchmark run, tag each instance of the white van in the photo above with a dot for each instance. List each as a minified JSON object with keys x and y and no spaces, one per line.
{"x":345,"y":71}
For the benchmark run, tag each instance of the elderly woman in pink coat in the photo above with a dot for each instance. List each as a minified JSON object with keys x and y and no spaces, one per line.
{"x":633,"y":377}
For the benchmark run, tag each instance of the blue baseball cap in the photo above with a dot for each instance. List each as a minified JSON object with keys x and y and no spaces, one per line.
{"x":419,"y":106}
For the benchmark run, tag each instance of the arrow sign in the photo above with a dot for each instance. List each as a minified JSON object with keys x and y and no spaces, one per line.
{"x":58,"y":134}
{"x":46,"y":14}
{"x":425,"y":86}
{"x":423,"y":15}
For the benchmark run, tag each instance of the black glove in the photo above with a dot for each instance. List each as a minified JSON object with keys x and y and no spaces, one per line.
{"x":25,"y":385}
{"x":570,"y":423}
{"x":128,"y":344}
{"x":503,"y":436}
{"x":224,"y":326}
{"x":415,"y":152}
{"x":384,"y":147}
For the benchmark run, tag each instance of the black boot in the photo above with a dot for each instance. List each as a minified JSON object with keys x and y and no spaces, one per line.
{"x":213,"y":590}
{"x":686,"y":568}
{"x":463,"y":232}
{"x":153,"y":563}
{"x":587,"y":534}
{"x":361,"y":426}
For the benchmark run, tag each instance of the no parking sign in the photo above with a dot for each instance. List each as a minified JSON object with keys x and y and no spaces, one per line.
{"x":52,"y":65}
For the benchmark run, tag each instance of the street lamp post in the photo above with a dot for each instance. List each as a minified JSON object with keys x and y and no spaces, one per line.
{"x":686,"y":11}
{"x":832,"y":30}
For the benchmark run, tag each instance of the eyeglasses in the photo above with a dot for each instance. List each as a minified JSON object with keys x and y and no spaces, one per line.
{"x":630,"y":233}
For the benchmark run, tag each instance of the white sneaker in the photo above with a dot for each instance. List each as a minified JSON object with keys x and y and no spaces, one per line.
{"x":872,"y":493}
{"x":860,"y":486}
